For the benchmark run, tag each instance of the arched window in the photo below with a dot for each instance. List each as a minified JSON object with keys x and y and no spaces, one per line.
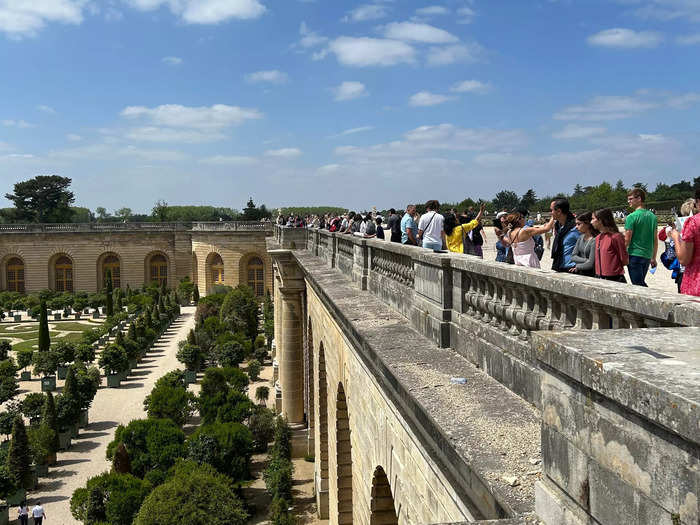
{"x":158,"y":270}
{"x":256,"y":276}
{"x":111,"y":263}
{"x":63,"y":270}
{"x":15,"y":275}
{"x":217,"y":269}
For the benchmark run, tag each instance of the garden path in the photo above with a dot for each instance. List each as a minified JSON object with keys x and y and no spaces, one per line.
{"x":111,"y":407}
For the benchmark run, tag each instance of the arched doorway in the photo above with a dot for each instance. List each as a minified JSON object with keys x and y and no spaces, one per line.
{"x":63,"y":274}
{"x":383,"y":511}
{"x":216,"y":269}
{"x":322,"y":424}
{"x":14,"y":274}
{"x":111,"y":264}
{"x":343,"y":458}
{"x":158,"y":269}
{"x":255,"y":275}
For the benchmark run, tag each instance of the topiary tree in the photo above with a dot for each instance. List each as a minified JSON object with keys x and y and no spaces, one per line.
{"x":19,"y":460}
{"x":118,"y":303}
{"x":85,"y":352}
{"x":234,"y":447}
{"x":170,"y":402}
{"x":45,"y":363}
{"x":5,"y":347}
{"x":109,"y":304}
{"x":65,"y":352}
{"x":191,"y":339}
{"x":191,"y":356}
{"x":230,"y":353}
{"x":254,"y":368}
{"x":9,"y":386}
{"x":24,"y":357}
{"x":41,"y":440}
{"x":195,"y":494}
{"x":49,"y":417}
{"x":32,"y":405}
{"x":44,"y":337}
{"x":110,"y":498}
{"x":262,"y":393}
{"x":113,"y":359}
{"x":239,"y":311}
{"x":279,"y":512}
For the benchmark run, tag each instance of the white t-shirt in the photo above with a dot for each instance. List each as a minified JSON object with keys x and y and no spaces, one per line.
{"x":431,"y":224}
{"x":38,"y":512}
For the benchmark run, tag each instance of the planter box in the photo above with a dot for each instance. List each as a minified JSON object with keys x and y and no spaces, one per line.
{"x":51,"y":460}
{"x":4,"y":515}
{"x":74,"y":431}
{"x":190,"y":377}
{"x":25,"y":376}
{"x":95,"y":314}
{"x":133,"y":363}
{"x":16,"y":498}
{"x":77,"y":317}
{"x":62,"y":372}
{"x":64,"y":440}
{"x":83,"y":422}
{"x":48,"y":384}
{"x":86,"y":311}
{"x":56,"y":317}
{"x":114,"y":380}
{"x":66,"y":315}
{"x":41,"y":470}
{"x":17,"y":318}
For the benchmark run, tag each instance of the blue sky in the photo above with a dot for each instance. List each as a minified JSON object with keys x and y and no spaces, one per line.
{"x":356,"y":104}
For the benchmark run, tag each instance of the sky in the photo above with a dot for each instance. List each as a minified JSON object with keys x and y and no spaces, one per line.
{"x":354,"y":104}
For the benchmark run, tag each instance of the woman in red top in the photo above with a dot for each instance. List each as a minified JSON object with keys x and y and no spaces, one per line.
{"x":610,"y":252}
{"x":687,"y":244}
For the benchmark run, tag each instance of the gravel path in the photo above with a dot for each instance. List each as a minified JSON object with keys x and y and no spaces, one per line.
{"x":111,"y":407}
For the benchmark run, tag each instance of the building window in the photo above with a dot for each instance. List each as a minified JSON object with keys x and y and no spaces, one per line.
{"x":111,"y":264}
{"x":63,"y":270}
{"x":217,"y":269}
{"x":159,"y":269}
{"x":256,"y":276}
{"x":15,"y":275}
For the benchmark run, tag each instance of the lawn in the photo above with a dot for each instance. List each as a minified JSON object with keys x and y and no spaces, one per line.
{"x":73,"y":332}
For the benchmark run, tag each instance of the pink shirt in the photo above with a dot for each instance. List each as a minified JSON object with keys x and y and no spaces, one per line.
{"x":691,"y":276}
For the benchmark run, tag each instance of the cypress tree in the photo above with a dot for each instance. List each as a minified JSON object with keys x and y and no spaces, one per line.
{"x":132,"y":331}
{"x":147,"y":318}
{"x":109,"y":304}
{"x":191,"y":339}
{"x":195,"y":294}
{"x":119,"y":306}
{"x":44,"y":338}
{"x":19,"y":460}
{"x":48,"y":416}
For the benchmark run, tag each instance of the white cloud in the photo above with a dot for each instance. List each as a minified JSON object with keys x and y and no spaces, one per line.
{"x":329,"y":168}
{"x":433,"y":10}
{"x":683,"y":101}
{"x":161,"y":134}
{"x":573,"y":131}
{"x":471,"y":86}
{"x":350,"y":90}
{"x":230,"y":160}
{"x":625,"y":39}
{"x":606,"y":108}
{"x":205,"y":11}
{"x":171,"y":61}
{"x":272,"y":77}
{"x":46,"y":109}
{"x":414,"y":32}
{"x":366,"y":12}
{"x":20,"y":18}
{"x":666,"y":9}
{"x":364,"y":51}
{"x":425,"y":98}
{"x":108,"y":152}
{"x":310,"y":38}
{"x":22,"y":124}
{"x":73,"y":137}
{"x":466,"y":14}
{"x":214,"y":117}
{"x":286,"y":153}
{"x":352,"y":131}
{"x":689,"y":40}
{"x":441,"y":56}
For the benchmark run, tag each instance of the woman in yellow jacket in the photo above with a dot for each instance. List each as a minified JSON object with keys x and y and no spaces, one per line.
{"x":454,"y":233}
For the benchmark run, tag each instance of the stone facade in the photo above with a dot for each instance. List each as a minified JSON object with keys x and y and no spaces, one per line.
{"x":187,"y":249}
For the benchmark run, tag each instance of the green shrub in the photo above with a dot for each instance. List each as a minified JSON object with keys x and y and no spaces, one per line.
{"x":111,"y":498}
{"x":278,"y":478}
{"x":85,"y":352}
{"x":19,"y":458}
{"x":32,"y":405}
{"x":45,"y":363}
{"x":65,"y":352}
{"x":194,"y":494}
{"x":114,"y":359}
{"x":254,"y":368}
{"x":239,"y":311}
{"x":9,"y":386}
{"x":25,"y":357}
{"x":41,"y":443}
{"x":191,"y":356}
{"x":49,"y":417}
{"x":5,"y":348}
{"x":169,"y":402}
{"x":279,"y":512}
{"x":262,"y":425}
{"x":234,"y":444}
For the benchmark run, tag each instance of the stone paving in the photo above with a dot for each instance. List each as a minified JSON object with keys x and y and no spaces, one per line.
{"x":111,"y":407}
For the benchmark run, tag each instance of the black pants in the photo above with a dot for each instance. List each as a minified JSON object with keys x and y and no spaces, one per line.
{"x":616,"y":278}
{"x":38,"y":521}
{"x":395,"y":237}
{"x":23,"y":520}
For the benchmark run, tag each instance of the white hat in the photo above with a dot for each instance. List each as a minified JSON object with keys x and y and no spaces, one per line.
{"x":501,"y":214}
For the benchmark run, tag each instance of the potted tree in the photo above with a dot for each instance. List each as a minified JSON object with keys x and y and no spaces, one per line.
{"x":65,"y":354}
{"x":19,"y":461}
{"x":85,"y":352}
{"x":88,"y":381}
{"x":24,"y":359}
{"x":70,"y":403}
{"x":44,"y":335}
{"x":191,"y":356}
{"x":45,"y":364}
{"x":5,"y":347}
{"x":79,"y":304}
{"x":32,"y":406}
{"x":115,"y":362}
{"x":48,"y":417}
{"x":41,"y":439}
{"x":67,"y":415}
{"x":8,"y":489}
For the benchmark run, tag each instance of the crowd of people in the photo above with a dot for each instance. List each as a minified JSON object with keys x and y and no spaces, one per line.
{"x":589,"y":243}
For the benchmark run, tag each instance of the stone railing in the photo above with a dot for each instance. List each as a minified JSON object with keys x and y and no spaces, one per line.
{"x":99,"y":227}
{"x":487,"y":311}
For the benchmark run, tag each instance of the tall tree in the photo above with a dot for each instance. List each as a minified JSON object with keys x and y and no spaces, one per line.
{"x":123,"y":213}
{"x":529,"y":199}
{"x":48,"y":417}
{"x":19,"y":461}
{"x":101,"y":213}
{"x":506,"y":199}
{"x":45,"y":198}
{"x":110,"y":302}
{"x":44,"y":337}
{"x":160,"y":211}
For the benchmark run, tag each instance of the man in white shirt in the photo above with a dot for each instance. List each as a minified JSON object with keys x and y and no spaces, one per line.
{"x":38,"y":513}
{"x":430,"y":226}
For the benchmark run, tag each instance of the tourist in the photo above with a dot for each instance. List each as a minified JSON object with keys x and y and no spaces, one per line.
{"x":456,"y":235}
{"x":610,"y":253}
{"x":584,"y":251}
{"x":431,"y":227}
{"x":380,"y":230}
{"x":521,"y":241}
{"x":687,"y":244}
{"x":668,"y":257}
{"x":370,"y":230}
{"x":565,"y":235}
{"x":640,"y":237}
{"x":38,"y":513}
{"x":23,"y":513}
{"x":393,"y":224}
{"x":409,"y":228}
{"x":499,"y":229}
{"x":478,"y":234}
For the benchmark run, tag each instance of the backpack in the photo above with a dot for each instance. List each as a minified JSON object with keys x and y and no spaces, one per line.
{"x":539,"y":246}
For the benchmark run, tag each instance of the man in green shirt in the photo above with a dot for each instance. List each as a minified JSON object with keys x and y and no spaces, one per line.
{"x":640,"y":237}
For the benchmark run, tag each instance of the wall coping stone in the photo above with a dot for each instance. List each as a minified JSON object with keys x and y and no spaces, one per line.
{"x":100,"y":227}
{"x":654,"y":372}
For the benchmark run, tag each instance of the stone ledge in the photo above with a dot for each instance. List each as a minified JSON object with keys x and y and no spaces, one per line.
{"x":652,"y":371}
{"x":476,"y":433}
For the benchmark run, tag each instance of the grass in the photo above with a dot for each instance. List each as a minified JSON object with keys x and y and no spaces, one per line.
{"x":31,"y":344}
{"x":30,"y":338}
{"x":71,"y":326}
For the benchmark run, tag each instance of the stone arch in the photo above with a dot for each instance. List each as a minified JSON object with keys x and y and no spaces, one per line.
{"x":322,"y":424}
{"x":14,"y":271}
{"x":156,"y":267}
{"x":109,"y":260}
{"x":213,"y":262}
{"x":254,"y":262}
{"x":382,"y":508}
{"x":61,"y":272}
{"x":343,"y":458}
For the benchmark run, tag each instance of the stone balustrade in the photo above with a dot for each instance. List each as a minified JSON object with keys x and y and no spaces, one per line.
{"x":97,"y":227}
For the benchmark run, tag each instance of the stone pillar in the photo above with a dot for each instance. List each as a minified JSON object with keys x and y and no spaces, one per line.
{"x":292,"y":359}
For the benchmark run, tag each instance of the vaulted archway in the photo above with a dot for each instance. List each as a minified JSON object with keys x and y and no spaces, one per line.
{"x":321,"y":464}
{"x":343,"y":458}
{"x":382,"y":509}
